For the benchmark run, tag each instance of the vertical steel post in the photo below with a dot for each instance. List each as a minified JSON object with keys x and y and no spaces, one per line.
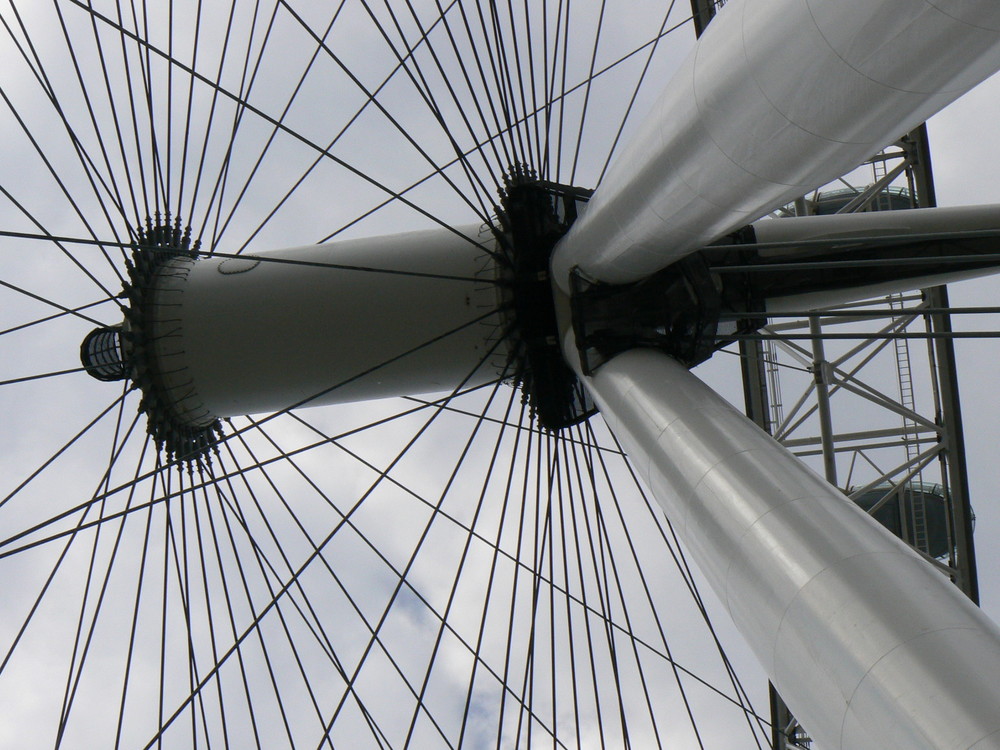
{"x":821,"y":382}
{"x":954,"y":454}
{"x":955,"y":468}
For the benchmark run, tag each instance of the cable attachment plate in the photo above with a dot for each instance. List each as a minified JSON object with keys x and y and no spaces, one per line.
{"x":533,"y":215}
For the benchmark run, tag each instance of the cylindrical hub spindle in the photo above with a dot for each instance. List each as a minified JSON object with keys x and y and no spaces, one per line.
{"x":359,"y":319}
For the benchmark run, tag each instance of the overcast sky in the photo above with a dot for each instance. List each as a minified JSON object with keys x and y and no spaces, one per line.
{"x":40,"y":416}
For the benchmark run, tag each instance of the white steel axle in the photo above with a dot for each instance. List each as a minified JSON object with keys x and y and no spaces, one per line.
{"x":349,"y":321}
{"x":805,"y":238}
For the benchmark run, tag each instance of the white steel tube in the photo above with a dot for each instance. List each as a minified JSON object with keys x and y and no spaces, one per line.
{"x":777,"y":98}
{"x":870,"y":646}
{"x":245,"y":336}
{"x":791,"y":237}
{"x":849,"y":229}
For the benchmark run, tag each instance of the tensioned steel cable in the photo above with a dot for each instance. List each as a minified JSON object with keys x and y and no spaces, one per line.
{"x":492,"y":581}
{"x":246,"y":88}
{"x":90,"y":168}
{"x":289,"y":583}
{"x":672,"y":545}
{"x":81,"y":644}
{"x":221,"y":225}
{"x":424,"y":534}
{"x":280,"y":412}
{"x":313,"y":621}
{"x":249,"y":258}
{"x":663,"y":31}
{"x":482,"y":209}
{"x":586,"y":92}
{"x":65,"y":311}
{"x":134,"y":623}
{"x":482,"y":190}
{"x":203,"y":142}
{"x":460,"y":568}
{"x":77,"y":209}
{"x":551,"y":99}
{"x":152,"y":49}
{"x":58,"y":452}
{"x":278,"y":609}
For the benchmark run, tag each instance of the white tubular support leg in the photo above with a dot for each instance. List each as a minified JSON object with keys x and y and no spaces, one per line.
{"x":777,"y":98}
{"x":854,"y":230}
{"x":869,"y":645}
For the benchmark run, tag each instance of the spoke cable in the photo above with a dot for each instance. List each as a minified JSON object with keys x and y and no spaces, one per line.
{"x":460,"y":568}
{"x":43,"y":230}
{"x":81,"y":644}
{"x":264,"y":258}
{"x":663,"y":525}
{"x":246,"y":86}
{"x":495,"y":545}
{"x":663,"y":31}
{"x":220,"y":224}
{"x":344,"y":128}
{"x":284,"y":128}
{"x":141,"y":574}
{"x":313,"y":621}
{"x":317,"y":630}
{"x":65,"y":310}
{"x":60,"y":451}
{"x":287,"y":585}
{"x":90,"y":169}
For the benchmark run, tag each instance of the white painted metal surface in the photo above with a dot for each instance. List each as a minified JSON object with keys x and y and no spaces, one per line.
{"x":778,"y":97}
{"x":870,"y":646}
{"x":242,"y":336}
{"x":876,"y":224}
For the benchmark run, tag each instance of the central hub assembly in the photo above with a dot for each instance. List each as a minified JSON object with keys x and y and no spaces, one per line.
{"x":533,"y":217}
{"x":128,"y":351}
{"x":207,"y":336}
